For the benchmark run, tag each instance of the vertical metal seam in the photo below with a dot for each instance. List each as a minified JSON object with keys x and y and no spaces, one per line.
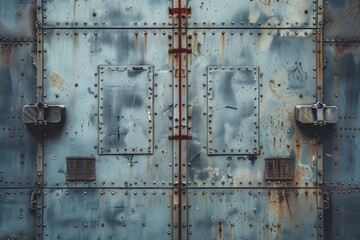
{"x":319,"y":98}
{"x":40,"y":138}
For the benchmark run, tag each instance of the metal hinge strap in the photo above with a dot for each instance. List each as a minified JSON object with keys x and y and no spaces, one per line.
{"x":180,"y":11}
{"x":180,"y":137}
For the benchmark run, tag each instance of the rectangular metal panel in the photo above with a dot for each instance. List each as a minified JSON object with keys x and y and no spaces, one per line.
{"x":17,"y":88}
{"x":341,"y":143}
{"x":252,"y":214}
{"x":16,"y":220}
{"x":107,"y":14}
{"x":233,"y":110}
{"x":341,"y":88}
{"x":286,"y":77}
{"x":253,"y":14}
{"x":126,"y":109}
{"x":341,"y":20}
{"x":71,"y":64}
{"x":342,"y":218}
{"x":107,"y":214}
{"x":17,"y":20}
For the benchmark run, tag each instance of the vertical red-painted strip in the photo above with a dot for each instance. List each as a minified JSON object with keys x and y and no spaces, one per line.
{"x":180,"y":122}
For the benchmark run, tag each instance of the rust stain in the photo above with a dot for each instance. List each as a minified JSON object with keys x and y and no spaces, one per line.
{"x":341,"y":50}
{"x":319,"y":63}
{"x":145,"y":42}
{"x":288,"y":205}
{"x":136,"y":46}
{"x":222,"y":47}
{"x":6,"y":55}
{"x":196,"y":44}
{"x":220,"y":231}
{"x":59,"y":83}
{"x":281,"y":207}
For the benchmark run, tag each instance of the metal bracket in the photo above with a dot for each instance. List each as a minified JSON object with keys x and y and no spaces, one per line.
{"x":180,"y":137}
{"x":326,"y":199}
{"x":180,"y":50}
{"x":33,"y":200}
{"x":317,"y":114}
{"x":40,"y":114}
{"x":180,"y":11}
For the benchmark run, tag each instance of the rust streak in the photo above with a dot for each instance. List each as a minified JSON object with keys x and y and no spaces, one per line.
{"x":145,"y":42}
{"x":136,"y":46}
{"x":222,"y":48}
{"x":220,"y":231}
{"x":288,"y":205}
{"x":6,"y":55}
{"x":319,"y":66}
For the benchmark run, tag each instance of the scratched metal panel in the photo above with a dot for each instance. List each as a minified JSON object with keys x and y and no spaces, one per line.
{"x":107,"y":214}
{"x":341,"y":85}
{"x":17,"y":20}
{"x":17,"y":88}
{"x":16,"y":220}
{"x":342,"y":219}
{"x":287,"y":69}
{"x":71,"y":61}
{"x":341,"y":19}
{"x":253,"y":14}
{"x":233,"y":110}
{"x":126,"y":109}
{"x":105,"y":14}
{"x":252,"y":214}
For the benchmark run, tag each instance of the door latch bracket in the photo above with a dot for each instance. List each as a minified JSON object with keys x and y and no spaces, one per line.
{"x":42,"y":114}
{"x":317,"y":114}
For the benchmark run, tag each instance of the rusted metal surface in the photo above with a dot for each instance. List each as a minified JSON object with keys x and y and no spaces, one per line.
{"x":281,"y":169}
{"x":187,"y":110}
{"x":253,"y":14}
{"x":289,"y":80}
{"x":252,"y":214}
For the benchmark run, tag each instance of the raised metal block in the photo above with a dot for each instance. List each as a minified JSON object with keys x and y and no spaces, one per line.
{"x":43,"y":114}
{"x":316,"y":114}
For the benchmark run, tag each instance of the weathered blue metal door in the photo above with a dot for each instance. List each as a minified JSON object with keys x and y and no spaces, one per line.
{"x":172,"y":119}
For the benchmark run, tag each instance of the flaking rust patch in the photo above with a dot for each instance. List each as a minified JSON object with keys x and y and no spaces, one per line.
{"x":58,"y":82}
